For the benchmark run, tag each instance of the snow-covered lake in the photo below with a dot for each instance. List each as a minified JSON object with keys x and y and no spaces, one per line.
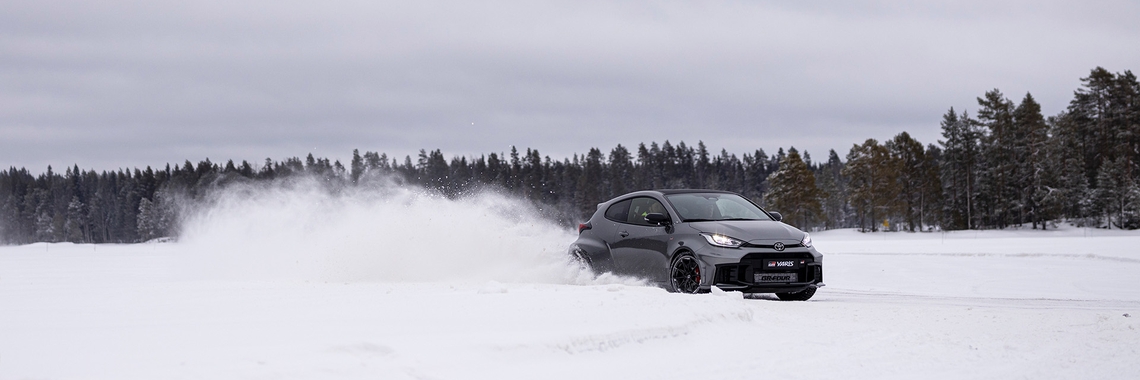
{"x":222,"y":304}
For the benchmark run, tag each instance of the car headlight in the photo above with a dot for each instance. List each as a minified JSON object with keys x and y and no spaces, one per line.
{"x":722,"y":241}
{"x":807,"y":240}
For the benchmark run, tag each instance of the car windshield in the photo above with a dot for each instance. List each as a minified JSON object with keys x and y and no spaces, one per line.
{"x":694,"y":207}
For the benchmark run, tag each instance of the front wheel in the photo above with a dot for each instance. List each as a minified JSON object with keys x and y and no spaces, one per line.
{"x":802,"y":295}
{"x":685,"y":275}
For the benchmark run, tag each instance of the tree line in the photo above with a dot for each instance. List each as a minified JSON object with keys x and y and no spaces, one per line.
{"x":1006,"y":165}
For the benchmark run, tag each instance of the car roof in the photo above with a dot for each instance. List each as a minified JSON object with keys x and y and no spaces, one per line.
{"x":662,"y":192}
{"x":684,"y":191}
{"x":666,"y":192}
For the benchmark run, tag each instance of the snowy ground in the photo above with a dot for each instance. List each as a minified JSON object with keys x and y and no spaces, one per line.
{"x":977,"y":305}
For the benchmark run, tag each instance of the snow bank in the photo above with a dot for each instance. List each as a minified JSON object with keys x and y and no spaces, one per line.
{"x":299,"y":230}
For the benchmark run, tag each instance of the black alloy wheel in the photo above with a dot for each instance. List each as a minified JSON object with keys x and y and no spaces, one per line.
{"x":685,"y":276}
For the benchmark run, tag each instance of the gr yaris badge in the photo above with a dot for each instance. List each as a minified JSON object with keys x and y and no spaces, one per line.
{"x":778,"y":246}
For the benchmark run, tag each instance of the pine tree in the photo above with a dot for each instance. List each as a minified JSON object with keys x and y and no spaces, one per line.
{"x":794,"y":192}
{"x":38,"y":206}
{"x":1118,"y":193}
{"x":356,"y":166}
{"x":589,"y":192}
{"x":910,"y":179}
{"x":146,"y":220}
{"x":1031,"y":160}
{"x":960,"y":157}
{"x":703,"y":165}
{"x":621,"y":172}
{"x":460,"y":177}
{"x":873,"y":185}
{"x":997,"y":187}
{"x":667,"y":157}
{"x":645,"y":168}
{"x":246,"y":170}
{"x":532,"y":173}
{"x":755,"y":173}
{"x":75,"y":226}
{"x":686,"y":170}
{"x":1127,"y":95}
{"x":833,"y":200}
{"x":435,"y":171}
{"x":1072,"y":194}
{"x":513,"y":178}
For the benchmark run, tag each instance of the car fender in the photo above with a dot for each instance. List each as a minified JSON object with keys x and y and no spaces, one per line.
{"x":597,"y":251}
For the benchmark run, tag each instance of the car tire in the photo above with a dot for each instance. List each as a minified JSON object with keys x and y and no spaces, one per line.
{"x":685,"y":274}
{"x":579,"y":257}
{"x":802,"y":295}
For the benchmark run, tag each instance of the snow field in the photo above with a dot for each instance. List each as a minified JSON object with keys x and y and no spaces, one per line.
{"x":114,"y":314}
{"x":74,"y":311}
{"x":297,"y":284}
{"x":1053,"y":264}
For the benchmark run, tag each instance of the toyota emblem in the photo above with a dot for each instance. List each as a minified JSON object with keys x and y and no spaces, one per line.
{"x":778,"y":246}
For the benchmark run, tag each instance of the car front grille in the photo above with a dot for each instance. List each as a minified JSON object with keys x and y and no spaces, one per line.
{"x":770,"y":246}
{"x":750,"y":264}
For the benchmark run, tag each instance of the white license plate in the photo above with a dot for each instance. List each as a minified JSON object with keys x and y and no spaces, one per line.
{"x":776,"y":277}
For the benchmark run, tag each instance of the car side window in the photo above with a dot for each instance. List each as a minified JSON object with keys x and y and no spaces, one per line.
{"x":642,"y":206}
{"x":618,"y":211}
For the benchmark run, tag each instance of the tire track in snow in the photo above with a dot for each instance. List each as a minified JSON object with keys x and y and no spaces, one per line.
{"x":1090,"y":256}
{"x":613,"y":340}
{"x":849,"y":295}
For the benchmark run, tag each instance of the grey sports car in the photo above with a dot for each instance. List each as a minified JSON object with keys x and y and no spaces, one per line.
{"x":691,"y":240}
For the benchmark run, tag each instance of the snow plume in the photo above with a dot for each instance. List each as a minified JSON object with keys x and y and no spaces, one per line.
{"x":301,"y":230}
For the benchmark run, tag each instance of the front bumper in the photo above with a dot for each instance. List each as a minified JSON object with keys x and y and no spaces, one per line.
{"x":740,"y":276}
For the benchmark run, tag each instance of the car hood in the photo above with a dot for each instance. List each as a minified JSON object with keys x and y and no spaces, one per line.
{"x":750,"y":230}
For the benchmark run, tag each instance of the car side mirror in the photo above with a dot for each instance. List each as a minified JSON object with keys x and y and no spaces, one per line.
{"x":776,"y":216}
{"x":657,"y":218}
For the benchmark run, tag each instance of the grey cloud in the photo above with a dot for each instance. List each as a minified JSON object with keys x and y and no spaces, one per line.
{"x":109,"y":84}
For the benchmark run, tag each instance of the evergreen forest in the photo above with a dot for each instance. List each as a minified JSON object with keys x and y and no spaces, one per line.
{"x":1005,"y":165}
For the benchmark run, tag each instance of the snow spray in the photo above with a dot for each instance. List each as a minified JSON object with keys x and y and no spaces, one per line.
{"x":301,"y":230}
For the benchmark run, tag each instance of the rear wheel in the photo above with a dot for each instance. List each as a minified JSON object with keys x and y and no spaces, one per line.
{"x":582,"y":260}
{"x":685,"y":274}
{"x":802,"y":295}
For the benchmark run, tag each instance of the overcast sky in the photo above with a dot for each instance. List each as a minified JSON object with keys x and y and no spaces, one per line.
{"x":109,"y":84}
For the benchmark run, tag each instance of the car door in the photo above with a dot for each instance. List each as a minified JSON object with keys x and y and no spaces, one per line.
{"x":640,"y":248}
{"x":607,"y":228}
